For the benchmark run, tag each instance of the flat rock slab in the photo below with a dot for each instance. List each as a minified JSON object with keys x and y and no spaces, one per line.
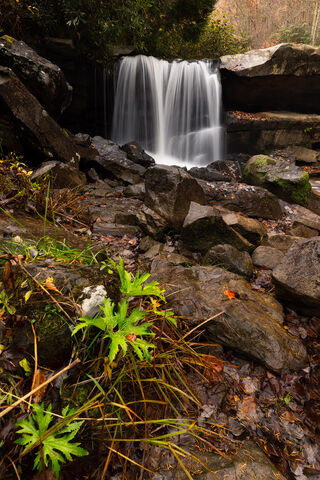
{"x":240,"y":197}
{"x":250,"y":323}
{"x":297,"y":277}
{"x":265,"y":131}
{"x":280,"y":241}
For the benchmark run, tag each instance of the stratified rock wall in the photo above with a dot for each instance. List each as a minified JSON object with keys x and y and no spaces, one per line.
{"x":283,"y":77}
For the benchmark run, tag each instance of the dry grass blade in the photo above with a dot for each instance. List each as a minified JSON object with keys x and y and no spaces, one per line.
{"x":130,"y":460}
{"x":200,"y":325}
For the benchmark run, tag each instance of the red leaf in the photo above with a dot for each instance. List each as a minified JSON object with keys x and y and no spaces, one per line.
{"x":230,"y":294}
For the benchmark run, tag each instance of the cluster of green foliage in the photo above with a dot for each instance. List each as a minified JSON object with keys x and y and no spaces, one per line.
{"x":123,"y":329}
{"x":55,"y":447}
{"x":296,"y":33}
{"x":166,"y":28}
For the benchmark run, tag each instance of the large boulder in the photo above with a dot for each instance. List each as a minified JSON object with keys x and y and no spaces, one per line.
{"x":297,"y":276}
{"x":205,"y":227}
{"x":242,"y":319}
{"x":43,"y":79}
{"x":38,"y":131}
{"x":248,"y":199}
{"x":280,"y":176}
{"x":282,"y":77}
{"x":169,"y":192}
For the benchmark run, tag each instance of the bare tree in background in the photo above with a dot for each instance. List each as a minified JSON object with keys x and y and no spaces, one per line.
{"x":261,"y":19}
{"x":315,"y":22}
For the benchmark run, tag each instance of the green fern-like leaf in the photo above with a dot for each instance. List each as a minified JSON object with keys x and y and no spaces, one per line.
{"x":133,"y":286}
{"x":56,"y":448}
{"x":120,"y":328}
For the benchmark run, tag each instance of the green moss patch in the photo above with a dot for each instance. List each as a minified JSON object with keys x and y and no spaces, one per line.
{"x":299,"y":191}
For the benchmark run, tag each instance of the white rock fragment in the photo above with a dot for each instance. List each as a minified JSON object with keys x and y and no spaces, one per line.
{"x":94,"y":298}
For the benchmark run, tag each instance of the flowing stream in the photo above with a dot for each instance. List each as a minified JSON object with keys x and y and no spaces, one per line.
{"x":172,"y":109}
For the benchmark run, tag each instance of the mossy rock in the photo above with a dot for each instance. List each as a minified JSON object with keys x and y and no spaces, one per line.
{"x":281,"y":177}
{"x":299,"y":191}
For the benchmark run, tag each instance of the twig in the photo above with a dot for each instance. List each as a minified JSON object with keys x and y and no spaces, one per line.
{"x":200,"y":325}
{"x":35,"y":361}
{"x":15,"y":468}
{"x":49,"y":380}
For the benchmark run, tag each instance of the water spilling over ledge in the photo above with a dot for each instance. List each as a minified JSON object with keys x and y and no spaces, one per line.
{"x":172,"y":109}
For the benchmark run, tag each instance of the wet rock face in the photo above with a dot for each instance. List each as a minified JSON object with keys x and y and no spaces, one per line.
{"x":45,"y":80}
{"x":283,"y":178}
{"x":250,"y":323}
{"x":169,"y":192}
{"x":297,"y":276}
{"x":283,"y":77}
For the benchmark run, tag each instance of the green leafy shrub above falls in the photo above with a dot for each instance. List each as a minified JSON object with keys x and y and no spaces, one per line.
{"x":166,"y":28}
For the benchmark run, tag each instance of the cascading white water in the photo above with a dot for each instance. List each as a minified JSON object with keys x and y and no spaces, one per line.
{"x":173,"y":110}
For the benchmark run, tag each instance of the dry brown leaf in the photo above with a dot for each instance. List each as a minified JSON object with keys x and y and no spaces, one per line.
{"x":39,"y":378}
{"x":8,"y":277}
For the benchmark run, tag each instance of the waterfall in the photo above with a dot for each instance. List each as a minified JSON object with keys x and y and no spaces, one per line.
{"x":173,"y":110}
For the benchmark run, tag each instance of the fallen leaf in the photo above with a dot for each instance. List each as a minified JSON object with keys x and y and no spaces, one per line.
{"x":8,"y":277}
{"x":49,"y":283}
{"x":230,"y":294}
{"x":25,"y":365}
{"x":38,"y":379}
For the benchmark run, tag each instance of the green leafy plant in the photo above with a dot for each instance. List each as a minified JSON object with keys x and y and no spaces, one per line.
{"x":5,"y":303}
{"x":132,"y":286}
{"x":55,"y":448}
{"x":122,"y":330}
{"x":287,"y":399}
